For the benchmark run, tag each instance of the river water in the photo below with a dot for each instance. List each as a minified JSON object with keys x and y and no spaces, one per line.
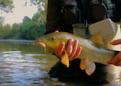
{"x":24,"y":64}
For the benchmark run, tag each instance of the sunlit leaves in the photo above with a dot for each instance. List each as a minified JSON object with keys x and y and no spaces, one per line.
{"x":39,"y":17}
{"x":30,"y":30}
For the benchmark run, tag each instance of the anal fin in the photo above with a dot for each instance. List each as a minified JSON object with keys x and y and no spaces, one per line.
{"x":88,"y":66}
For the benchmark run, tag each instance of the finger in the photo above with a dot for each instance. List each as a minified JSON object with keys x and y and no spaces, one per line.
{"x":60,"y":49}
{"x":69,"y":46}
{"x":75,"y":46}
{"x":116,"y":42}
{"x":77,"y":54}
{"x":115,"y":60}
{"x":119,"y":59}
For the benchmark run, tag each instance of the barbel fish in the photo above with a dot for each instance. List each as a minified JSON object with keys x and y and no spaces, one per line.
{"x":90,"y":53}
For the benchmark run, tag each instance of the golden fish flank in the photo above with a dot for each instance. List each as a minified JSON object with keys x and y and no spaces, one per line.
{"x":97,"y":39}
{"x":90,"y":51}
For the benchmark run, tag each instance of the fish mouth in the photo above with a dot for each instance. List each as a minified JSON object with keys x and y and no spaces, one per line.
{"x":40,"y":42}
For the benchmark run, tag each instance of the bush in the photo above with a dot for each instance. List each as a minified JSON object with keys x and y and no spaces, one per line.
{"x":30,"y":30}
{"x":8,"y":32}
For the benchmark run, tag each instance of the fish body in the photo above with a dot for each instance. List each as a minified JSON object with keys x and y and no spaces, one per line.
{"x":90,"y":53}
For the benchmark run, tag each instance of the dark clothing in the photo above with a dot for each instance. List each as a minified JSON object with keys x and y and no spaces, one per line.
{"x":76,"y":75}
{"x":117,"y":10}
{"x":62,"y":14}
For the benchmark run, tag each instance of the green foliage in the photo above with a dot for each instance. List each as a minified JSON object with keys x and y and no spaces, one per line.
{"x":4,"y":31}
{"x":6,"y":5}
{"x":37,"y":2}
{"x":33,"y":28}
{"x":30,"y":30}
{"x":14,"y":31}
{"x":39,"y":17}
{"x":26,"y":18}
{"x":8,"y":31}
{"x":1,"y":19}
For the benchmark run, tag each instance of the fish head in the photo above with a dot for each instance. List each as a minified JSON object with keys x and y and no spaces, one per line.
{"x":52,"y":40}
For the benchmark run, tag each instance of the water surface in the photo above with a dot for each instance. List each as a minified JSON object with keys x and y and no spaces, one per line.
{"x":24,"y":64}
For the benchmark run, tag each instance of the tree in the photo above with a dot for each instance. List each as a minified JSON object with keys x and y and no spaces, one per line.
{"x":42,"y":9}
{"x":6,"y":5}
{"x":38,"y":2}
{"x":26,"y":18}
{"x":1,"y":19}
{"x":30,"y":30}
{"x":4,"y":31}
{"x":39,"y":17}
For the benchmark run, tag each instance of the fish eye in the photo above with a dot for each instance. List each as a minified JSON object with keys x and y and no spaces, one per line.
{"x":53,"y":38}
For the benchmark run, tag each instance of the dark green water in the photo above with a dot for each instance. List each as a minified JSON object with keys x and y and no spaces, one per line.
{"x":24,"y":64}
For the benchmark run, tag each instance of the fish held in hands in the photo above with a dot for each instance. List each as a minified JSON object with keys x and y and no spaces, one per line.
{"x":88,"y":53}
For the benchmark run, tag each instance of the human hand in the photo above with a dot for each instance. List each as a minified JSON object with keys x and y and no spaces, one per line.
{"x":71,"y":47}
{"x":116,"y":60}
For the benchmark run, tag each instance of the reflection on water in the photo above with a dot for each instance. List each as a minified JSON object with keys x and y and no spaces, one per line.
{"x":20,"y":66}
{"x":23,"y":64}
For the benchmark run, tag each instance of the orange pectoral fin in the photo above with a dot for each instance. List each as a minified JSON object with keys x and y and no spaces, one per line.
{"x":65,"y":60}
{"x":82,"y":65}
{"x":88,"y":66}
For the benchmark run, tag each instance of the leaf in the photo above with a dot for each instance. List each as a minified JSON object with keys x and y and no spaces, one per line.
{"x":65,"y":60}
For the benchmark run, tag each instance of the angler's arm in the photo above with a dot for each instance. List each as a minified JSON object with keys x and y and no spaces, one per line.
{"x":116,"y":60}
